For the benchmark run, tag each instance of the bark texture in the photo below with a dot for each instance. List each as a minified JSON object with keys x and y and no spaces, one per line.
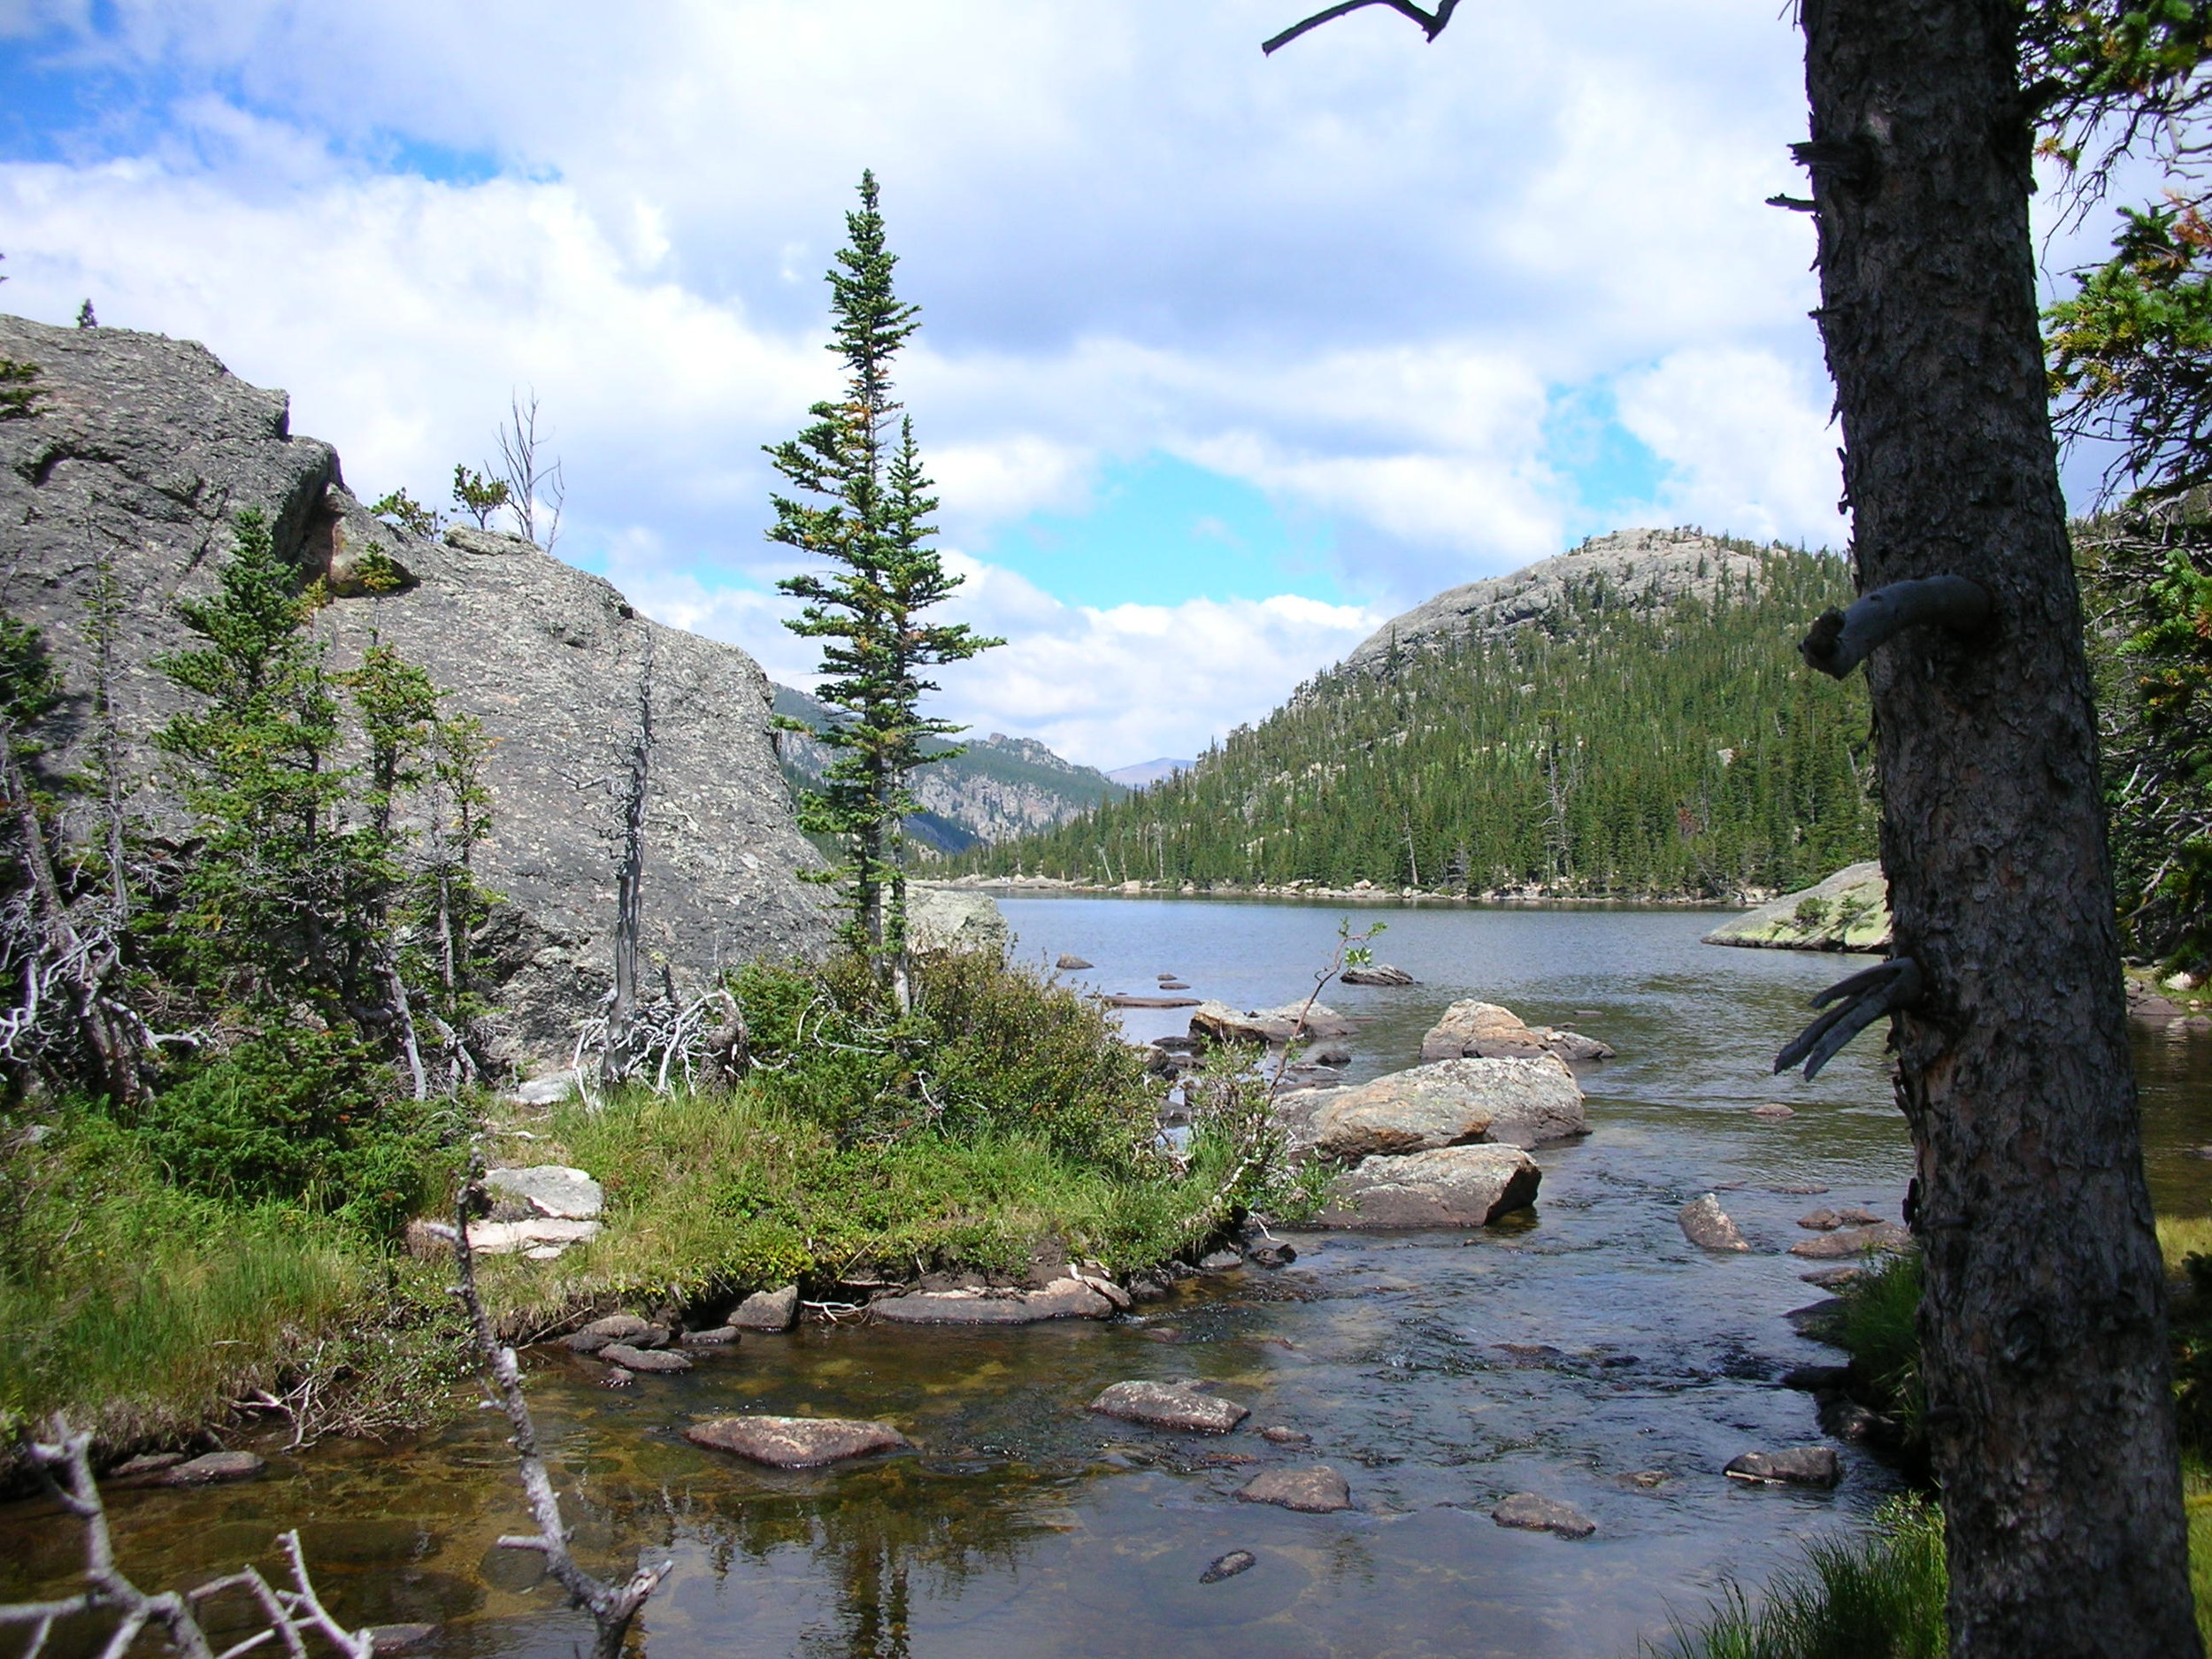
{"x":2043,"y":1327}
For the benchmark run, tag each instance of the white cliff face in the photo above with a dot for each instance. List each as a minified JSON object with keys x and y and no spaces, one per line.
{"x":148,"y":447}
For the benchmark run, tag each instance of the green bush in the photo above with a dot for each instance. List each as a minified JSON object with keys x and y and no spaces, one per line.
{"x":295,"y":1113}
{"x":989,"y":1052}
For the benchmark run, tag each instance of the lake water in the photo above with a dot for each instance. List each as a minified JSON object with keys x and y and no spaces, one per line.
{"x":1438,"y":1371}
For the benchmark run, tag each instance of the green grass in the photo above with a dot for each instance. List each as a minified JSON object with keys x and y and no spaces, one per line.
{"x":1878,"y":1328}
{"x":1876,"y":1596}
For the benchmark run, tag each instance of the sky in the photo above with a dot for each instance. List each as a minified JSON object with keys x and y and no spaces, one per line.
{"x":1225,"y":358}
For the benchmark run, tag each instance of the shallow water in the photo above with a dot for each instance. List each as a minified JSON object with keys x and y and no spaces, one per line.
{"x":1025,"y":1526}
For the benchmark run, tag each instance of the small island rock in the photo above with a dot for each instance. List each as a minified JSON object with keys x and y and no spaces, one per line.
{"x":1706,"y":1225}
{"x":1071,"y":964}
{"x":1444,"y":1103}
{"x":1799,"y":1466}
{"x":1476,"y":1030}
{"x":1316,"y":1490}
{"x":768,"y":1310}
{"x":1452,"y":1187}
{"x":1218,"y":1022}
{"x":1532,"y":1512}
{"x":1376,"y":974}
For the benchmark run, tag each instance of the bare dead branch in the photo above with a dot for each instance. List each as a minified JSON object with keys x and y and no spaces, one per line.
{"x":1432,"y":22}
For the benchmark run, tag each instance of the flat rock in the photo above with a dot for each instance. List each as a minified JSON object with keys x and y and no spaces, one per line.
{"x":214,"y":1468}
{"x":1446,"y":1103}
{"x":1071,"y":964}
{"x":509,"y":1238}
{"x":1833,"y":1277}
{"x":1218,"y":1022}
{"x":1167,"y":1406}
{"x":1063,"y":1299}
{"x":1277,"y":1434}
{"x":551,"y":1190}
{"x":644,"y":1359}
{"x":796,"y":1442}
{"x":1122,"y":999}
{"x":1773,"y":1111}
{"x":146,"y":1464}
{"x":1316,"y":1489}
{"x":616,"y":1327}
{"x":713,"y":1336}
{"x":1848,"y":912}
{"x":1799,"y":1466}
{"x":1452,"y":1187}
{"x":1851,"y":1241}
{"x":1534,"y":1513}
{"x":1271,"y":1254}
{"x":386,"y":1640}
{"x":1221,"y":1261}
{"x":1376,"y":974}
{"x":550,"y":1090}
{"x":1822,"y":1220}
{"x":768,"y":1310}
{"x":1706,"y":1225}
{"x":1476,"y":1030}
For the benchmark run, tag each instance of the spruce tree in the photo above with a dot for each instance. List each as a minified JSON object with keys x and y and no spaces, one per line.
{"x":867,"y":520}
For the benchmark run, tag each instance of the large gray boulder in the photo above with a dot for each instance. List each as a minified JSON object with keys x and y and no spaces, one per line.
{"x":1447,"y":1104}
{"x":1453,"y":1186}
{"x":1848,"y":912}
{"x":955,"y":919}
{"x":1484,"y":1031}
{"x":1271,"y":1027}
{"x":147,"y":447}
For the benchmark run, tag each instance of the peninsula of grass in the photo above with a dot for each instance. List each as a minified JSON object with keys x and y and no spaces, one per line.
{"x":1003,"y":1123}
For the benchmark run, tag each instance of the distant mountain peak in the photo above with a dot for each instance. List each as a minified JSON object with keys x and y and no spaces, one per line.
{"x":1147,"y":772}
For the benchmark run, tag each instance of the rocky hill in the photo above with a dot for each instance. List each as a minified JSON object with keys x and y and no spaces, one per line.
{"x":144,"y":448}
{"x":998,"y":786}
{"x":1628,"y":720}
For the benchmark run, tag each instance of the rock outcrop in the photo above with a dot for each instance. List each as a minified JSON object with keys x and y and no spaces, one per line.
{"x":145,"y":447}
{"x":1848,"y":912}
{"x":1648,"y":567}
{"x":955,"y":919}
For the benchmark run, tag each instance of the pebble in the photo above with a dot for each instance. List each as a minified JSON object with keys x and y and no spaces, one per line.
{"x":1228,"y":1566}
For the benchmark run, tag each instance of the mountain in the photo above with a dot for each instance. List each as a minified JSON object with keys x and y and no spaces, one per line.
{"x":1627,"y":720}
{"x":1147,"y":772}
{"x":146,"y":447}
{"x":998,"y":786}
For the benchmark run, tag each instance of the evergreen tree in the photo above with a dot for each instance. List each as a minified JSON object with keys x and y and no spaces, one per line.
{"x":861,"y":505}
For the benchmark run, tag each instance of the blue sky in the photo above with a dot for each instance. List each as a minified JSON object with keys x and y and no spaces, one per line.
{"x":1225,"y":360}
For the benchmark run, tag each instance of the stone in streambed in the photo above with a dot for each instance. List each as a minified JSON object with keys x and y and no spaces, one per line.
{"x":1773,"y":1111}
{"x":616,"y":1327}
{"x":768,"y":1310}
{"x":1885,"y":1235}
{"x":1706,"y":1225}
{"x":1168,"y":1406}
{"x":1270,"y":1255}
{"x":796,"y":1442}
{"x":714,"y":1336}
{"x":1376,"y":974}
{"x":1533,"y":1513}
{"x":1799,"y":1466}
{"x":644,"y":1359}
{"x":141,"y":1470}
{"x":1521,"y":1102}
{"x":1317,"y":1490}
{"x":1477,"y":1030}
{"x":387,"y":1640}
{"x":1278,"y":1434}
{"x":1070,"y":963}
{"x":1221,"y":1261}
{"x":1452,"y":1187}
{"x":1228,"y":1566}
{"x":211,"y":1469}
{"x":1063,"y":1299}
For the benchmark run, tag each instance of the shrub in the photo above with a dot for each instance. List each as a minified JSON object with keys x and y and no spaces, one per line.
{"x":988,"y":1052}
{"x":295,"y":1113}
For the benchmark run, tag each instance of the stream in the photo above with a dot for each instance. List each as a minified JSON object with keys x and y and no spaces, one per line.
{"x":1559,"y":1353}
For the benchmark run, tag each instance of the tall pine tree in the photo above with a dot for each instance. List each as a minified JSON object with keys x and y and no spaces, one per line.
{"x":868,"y":522}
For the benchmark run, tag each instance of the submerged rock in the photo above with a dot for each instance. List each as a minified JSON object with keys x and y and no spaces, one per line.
{"x":1273,"y":1027}
{"x":1169,"y":1406}
{"x":1885,"y":1235}
{"x":1532,"y":1512}
{"x":644,"y":1359}
{"x":796,"y":1442}
{"x":1228,"y":1566}
{"x":616,"y":1327}
{"x":1451,"y":1187}
{"x":1446,"y":1103}
{"x":214,"y":1468}
{"x":1476,"y":1030}
{"x":1376,"y":974}
{"x":1706,"y":1225}
{"x":1316,"y":1490}
{"x":1799,"y":1466}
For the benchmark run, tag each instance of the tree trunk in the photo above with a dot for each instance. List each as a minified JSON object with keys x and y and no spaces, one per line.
{"x":2043,"y":1326}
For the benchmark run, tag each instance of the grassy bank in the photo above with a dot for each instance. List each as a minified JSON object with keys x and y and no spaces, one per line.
{"x":1002,"y":1128}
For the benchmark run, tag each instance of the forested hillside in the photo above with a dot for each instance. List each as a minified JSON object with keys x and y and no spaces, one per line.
{"x":1648,"y":730}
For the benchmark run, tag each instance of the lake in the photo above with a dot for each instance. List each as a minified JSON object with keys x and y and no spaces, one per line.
{"x":1557,"y":1354}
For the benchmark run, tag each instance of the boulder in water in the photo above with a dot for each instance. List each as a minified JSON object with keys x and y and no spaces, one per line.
{"x":1317,"y":1490}
{"x":1447,"y":1104}
{"x":1376,"y":974}
{"x":1532,"y":1512}
{"x":1169,"y":1406}
{"x":1485,"y":1031}
{"x":796,"y":1442}
{"x":1451,"y":1187}
{"x":768,"y":1310}
{"x":1706,"y":1225}
{"x":1273,"y":1027}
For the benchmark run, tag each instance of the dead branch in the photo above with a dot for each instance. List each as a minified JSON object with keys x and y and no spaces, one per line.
{"x":611,"y":1607}
{"x":1432,"y":22}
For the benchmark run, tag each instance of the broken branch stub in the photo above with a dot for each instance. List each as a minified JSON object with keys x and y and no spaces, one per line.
{"x":1859,"y":1001}
{"x":1840,"y":641}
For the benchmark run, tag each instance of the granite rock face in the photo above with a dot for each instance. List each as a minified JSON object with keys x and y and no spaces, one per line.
{"x":1446,"y":1103}
{"x":148,"y":447}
